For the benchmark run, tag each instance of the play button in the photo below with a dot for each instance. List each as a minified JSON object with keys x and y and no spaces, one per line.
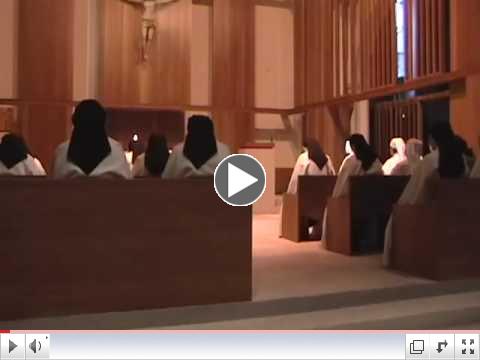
{"x":240,"y":180}
{"x":11,"y":346}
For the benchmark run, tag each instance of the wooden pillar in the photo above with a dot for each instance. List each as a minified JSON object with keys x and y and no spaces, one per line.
{"x":233,"y":75}
{"x":45,"y":73}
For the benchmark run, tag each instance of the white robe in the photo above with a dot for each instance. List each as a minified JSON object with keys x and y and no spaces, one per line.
{"x":28,"y":167}
{"x":476,"y":170}
{"x":351,"y":167}
{"x":399,"y":145}
{"x":413,"y":194}
{"x":113,"y":166}
{"x":305,"y":166}
{"x":179,"y":167}
{"x":139,"y":169}
{"x":413,"y":158}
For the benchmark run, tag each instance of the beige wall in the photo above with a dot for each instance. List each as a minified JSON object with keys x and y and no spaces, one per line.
{"x":360,"y":123}
{"x":8,"y":36}
{"x":274,"y":83}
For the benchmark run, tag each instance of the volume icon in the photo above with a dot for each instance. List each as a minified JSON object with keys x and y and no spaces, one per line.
{"x":35,"y":346}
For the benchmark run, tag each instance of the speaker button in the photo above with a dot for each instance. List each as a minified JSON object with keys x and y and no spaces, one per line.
{"x":37,"y":346}
{"x":13,"y":346}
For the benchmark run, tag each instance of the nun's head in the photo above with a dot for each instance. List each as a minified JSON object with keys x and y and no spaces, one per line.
{"x":89,"y":114}
{"x":397,"y":146}
{"x":358,"y":144}
{"x":13,"y":150}
{"x":199,"y":125}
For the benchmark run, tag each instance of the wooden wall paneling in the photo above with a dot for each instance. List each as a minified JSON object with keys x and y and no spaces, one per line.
{"x":45,"y":52}
{"x":164,"y":78}
{"x":233,"y":70}
{"x":45,"y":126}
{"x":299,"y":11}
{"x":345,"y":45}
{"x":329,"y":74}
{"x":422,"y":36}
{"x":435,"y":36}
{"x":45,"y":73}
{"x":411,"y":39}
{"x":171,"y":55}
{"x":442,"y":36}
{"x":121,"y":57}
{"x":428,"y":37}
{"x":337,"y":48}
{"x":386,"y":33}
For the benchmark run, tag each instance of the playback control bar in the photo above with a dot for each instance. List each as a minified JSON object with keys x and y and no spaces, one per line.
{"x":236,"y":345}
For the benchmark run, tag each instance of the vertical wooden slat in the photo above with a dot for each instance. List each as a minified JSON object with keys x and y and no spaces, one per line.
{"x":428,"y":37}
{"x":435,"y":36}
{"x":442,"y":38}
{"x":345,"y":46}
{"x":382,"y":37}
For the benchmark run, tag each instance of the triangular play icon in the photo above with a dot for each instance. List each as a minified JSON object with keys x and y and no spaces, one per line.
{"x":238,"y":180}
{"x":11,"y":346}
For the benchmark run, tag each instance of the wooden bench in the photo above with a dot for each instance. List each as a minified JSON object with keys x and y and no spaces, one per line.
{"x":439,"y":240}
{"x":306,"y":206}
{"x":90,"y":246}
{"x":356,"y":222}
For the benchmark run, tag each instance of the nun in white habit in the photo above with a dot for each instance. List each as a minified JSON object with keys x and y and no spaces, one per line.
{"x":397,"y":150}
{"x":200,"y":154}
{"x":312,"y":162}
{"x":153,"y":162}
{"x":447,"y":160}
{"x":90,"y":152}
{"x":362,"y":162}
{"x":15,"y":158}
{"x":414,"y":156}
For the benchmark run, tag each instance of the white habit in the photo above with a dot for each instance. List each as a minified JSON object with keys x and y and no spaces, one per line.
{"x":399,"y":145}
{"x":305,"y":166}
{"x":28,"y":167}
{"x":113,"y":166}
{"x":179,"y":167}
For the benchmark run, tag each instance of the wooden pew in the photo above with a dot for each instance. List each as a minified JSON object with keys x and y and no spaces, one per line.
{"x":308,"y":204}
{"x":89,"y":246}
{"x":439,"y":240}
{"x":356,"y":223}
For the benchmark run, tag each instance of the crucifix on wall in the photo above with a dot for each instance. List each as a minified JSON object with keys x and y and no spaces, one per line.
{"x":149,"y":26}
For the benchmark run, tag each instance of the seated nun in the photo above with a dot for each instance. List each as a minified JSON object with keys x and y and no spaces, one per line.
{"x":313,"y":161}
{"x":364,"y":161}
{"x":397,"y":150}
{"x":16,"y":160}
{"x":153,"y":162}
{"x":348,"y":155}
{"x":90,"y":152}
{"x":446,"y":161}
{"x":200,"y":154}
{"x":414,"y":151}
